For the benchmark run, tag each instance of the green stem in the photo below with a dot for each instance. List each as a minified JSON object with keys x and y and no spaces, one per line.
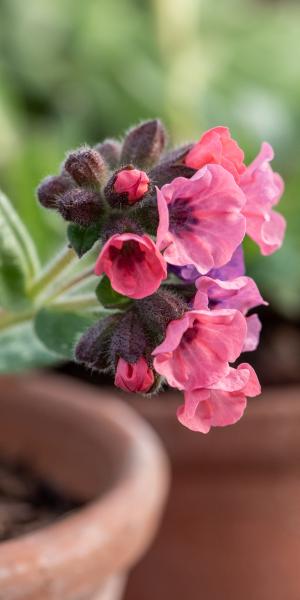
{"x":51,"y":271}
{"x":73,"y":283}
{"x":84,"y":301}
{"x":15,"y":318}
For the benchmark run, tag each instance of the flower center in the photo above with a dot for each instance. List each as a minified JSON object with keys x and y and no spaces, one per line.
{"x":181,"y":216}
{"x":129,"y":254}
{"x":190,"y":334}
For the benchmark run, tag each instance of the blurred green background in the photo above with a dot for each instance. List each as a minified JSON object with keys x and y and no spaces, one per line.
{"x":74,"y":72}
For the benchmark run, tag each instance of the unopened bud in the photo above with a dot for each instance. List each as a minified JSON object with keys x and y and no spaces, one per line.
{"x":92,"y":348}
{"x":133,"y":183}
{"x":118,"y":224}
{"x":86,"y":166}
{"x":80,"y":206}
{"x":110,"y":150}
{"x":144,"y":144}
{"x":128,"y":340}
{"x":158,"y":310}
{"x":126,"y":187}
{"x":51,"y":188}
{"x":176,"y":155}
{"x":134,"y":377}
{"x":162,"y":174}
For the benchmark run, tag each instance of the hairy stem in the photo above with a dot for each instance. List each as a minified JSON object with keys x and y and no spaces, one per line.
{"x":85,"y":301}
{"x":10,"y":319}
{"x":63,"y":260}
{"x":73,"y":283}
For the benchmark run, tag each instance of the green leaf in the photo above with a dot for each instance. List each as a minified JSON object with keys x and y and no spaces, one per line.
{"x":60,"y":330}
{"x":18,"y":259}
{"x":20,"y":349}
{"x":82,"y":239}
{"x":108,"y":297}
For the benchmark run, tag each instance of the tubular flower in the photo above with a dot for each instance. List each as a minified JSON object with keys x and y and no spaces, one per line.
{"x":234,"y":268}
{"x":217,"y":146}
{"x":263,"y":189}
{"x":241,"y":294}
{"x":197,"y":348}
{"x":133,"y":264}
{"x":200,"y":220}
{"x":221,"y":404}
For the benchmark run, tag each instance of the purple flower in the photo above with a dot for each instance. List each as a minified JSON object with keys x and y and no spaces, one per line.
{"x":241,"y":294}
{"x":234,"y":268}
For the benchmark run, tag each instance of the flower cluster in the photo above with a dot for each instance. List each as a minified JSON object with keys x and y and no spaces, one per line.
{"x":169,"y":225}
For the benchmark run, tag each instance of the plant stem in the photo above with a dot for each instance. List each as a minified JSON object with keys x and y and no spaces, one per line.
{"x":16,"y":318}
{"x":51,"y":271}
{"x":83,"y":302}
{"x":78,"y":302}
{"x":73,"y":283}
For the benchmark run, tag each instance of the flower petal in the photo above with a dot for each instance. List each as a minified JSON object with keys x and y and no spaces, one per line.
{"x":204,"y":225}
{"x":133,"y":264}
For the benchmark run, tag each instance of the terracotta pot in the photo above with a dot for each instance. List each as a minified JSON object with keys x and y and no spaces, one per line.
{"x":232,"y":526}
{"x":94,"y":447}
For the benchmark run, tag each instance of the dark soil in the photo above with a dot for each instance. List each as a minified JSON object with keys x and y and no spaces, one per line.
{"x":27,"y":502}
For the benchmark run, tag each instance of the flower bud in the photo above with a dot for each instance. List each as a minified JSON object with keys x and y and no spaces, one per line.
{"x":92,"y":348}
{"x":176,"y":155}
{"x":162,"y":174}
{"x":110,"y":150}
{"x":158,"y":310}
{"x":80,"y":206}
{"x":134,"y":377}
{"x":86,"y":166}
{"x":144,"y":144}
{"x":128,"y":340}
{"x":133,"y":183}
{"x":118,"y":224}
{"x":126,"y":187}
{"x":51,"y":188}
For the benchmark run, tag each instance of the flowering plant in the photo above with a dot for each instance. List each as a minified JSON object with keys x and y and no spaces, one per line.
{"x":159,"y":236}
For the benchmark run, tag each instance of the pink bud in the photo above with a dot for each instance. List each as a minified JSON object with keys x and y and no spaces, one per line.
{"x":132,"y":182}
{"x":134,"y":377}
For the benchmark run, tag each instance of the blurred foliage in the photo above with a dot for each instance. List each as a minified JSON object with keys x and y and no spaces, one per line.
{"x":74,"y":72}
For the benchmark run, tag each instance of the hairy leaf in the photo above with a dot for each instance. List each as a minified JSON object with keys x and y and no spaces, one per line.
{"x":60,"y":330}
{"x":20,"y":349}
{"x":82,"y":239}
{"x":108,"y":297}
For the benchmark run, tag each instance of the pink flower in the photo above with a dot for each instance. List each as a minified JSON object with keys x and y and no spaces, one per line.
{"x":197,"y":348}
{"x":200,"y":220}
{"x":221,"y":404}
{"x":263,"y":189}
{"x":134,"y":377}
{"x":133,"y":182}
{"x":217,"y":146}
{"x":133,"y":264}
{"x":253,"y":333}
{"x":241,"y":293}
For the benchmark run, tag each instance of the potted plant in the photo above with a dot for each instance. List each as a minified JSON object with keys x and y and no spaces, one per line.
{"x":150,"y":288}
